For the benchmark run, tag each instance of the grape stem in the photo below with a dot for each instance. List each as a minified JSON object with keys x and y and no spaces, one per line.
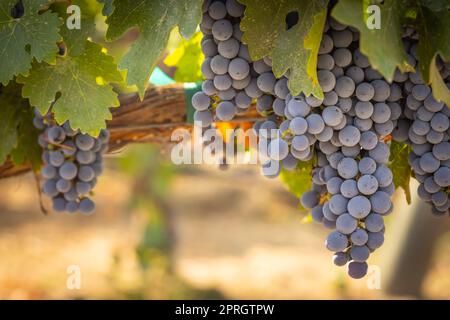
{"x":39,"y":192}
{"x":62,"y":146}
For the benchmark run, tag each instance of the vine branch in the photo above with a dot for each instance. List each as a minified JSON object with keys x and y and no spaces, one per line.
{"x":151,"y":120}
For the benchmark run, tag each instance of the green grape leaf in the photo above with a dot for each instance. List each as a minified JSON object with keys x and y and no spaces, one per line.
{"x":299,"y":180}
{"x":384,"y":46}
{"x":82,"y":84}
{"x":155,"y":19}
{"x":33,"y":35}
{"x":435,"y":5}
{"x":187,"y":58}
{"x":74,"y":38}
{"x":18,"y":135}
{"x":9,"y":120}
{"x":434,"y":30}
{"x":80,"y":23}
{"x":27,"y":149}
{"x":401,"y":170}
{"x":294,"y":50}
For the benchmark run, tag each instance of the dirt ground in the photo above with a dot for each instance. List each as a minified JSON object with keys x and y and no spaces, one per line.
{"x":236,"y":232}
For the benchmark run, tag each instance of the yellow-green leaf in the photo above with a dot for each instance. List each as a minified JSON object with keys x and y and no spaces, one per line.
{"x":299,"y":180}
{"x":434,"y":31}
{"x":294,"y":50}
{"x":187,"y":58}
{"x":401,"y":170}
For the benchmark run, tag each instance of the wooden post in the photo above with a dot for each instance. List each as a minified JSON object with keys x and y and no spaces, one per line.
{"x":411,"y":238}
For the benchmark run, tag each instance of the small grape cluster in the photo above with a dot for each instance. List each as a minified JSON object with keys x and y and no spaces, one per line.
{"x":72,"y":163}
{"x":229,"y":72}
{"x":351,"y":196}
{"x":425,"y":126}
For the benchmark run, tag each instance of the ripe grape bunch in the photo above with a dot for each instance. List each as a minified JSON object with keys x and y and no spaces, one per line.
{"x":230,"y":74}
{"x":72,"y":163}
{"x":352,"y":183}
{"x":425,"y":126}
{"x":346,"y":134}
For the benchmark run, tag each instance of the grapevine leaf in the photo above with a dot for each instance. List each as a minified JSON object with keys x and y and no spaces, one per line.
{"x":299,"y":180}
{"x":155,"y":19}
{"x":9,"y":120}
{"x":18,"y":135}
{"x":436,"y":5}
{"x":384,"y":46}
{"x":294,"y":50}
{"x":434,"y":28}
{"x":188,"y":58}
{"x":83,"y":85}
{"x":27,"y":149}
{"x":401,"y":170}
{"x":74,"y":38}
{"x":78,"y":28}
{"x":33,"y":35}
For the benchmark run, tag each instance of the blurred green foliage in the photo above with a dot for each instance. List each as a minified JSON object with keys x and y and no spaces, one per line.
{"x":187,"y":58}
{"x":152,"y":176}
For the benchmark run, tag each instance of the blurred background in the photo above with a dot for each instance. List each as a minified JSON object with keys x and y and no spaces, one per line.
{"x":168,"y":232}
{"x":200,"y":232}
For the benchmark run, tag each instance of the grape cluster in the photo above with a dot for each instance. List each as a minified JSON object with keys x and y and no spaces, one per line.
{"x":347,"y":134}
{"x":425,"y":126}
{"x":230,"y":74}
{"x":351,"y":196}
{"x":72,"y":163}
{"x":344,"y":128}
